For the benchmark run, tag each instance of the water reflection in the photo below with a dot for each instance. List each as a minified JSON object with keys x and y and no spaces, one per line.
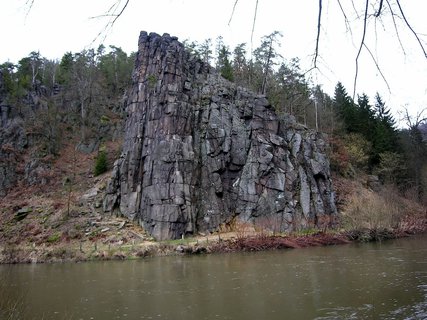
{"x":372,"y":281}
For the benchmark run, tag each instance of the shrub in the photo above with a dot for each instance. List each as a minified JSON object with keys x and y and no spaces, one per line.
{"x":391,"y":167}
{"x":101,"y":164}
{"x":53,"y":238}
{"x":369,"y":210}
{"x":339,"y":156}
{"x":358,"y":149}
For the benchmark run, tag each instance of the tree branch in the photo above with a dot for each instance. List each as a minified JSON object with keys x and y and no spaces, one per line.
{"x":378,"y":67}
{"x":410,"y":28}
{"x":232,"y":12}
{"x":355,"y":10}
{"x":362,"y":42}
{"x":319,"y":19}
{"x":29,"y":3}
{"x":379,"y":9}
{"x":120,"y":13}
{"x":347,"y":23}
{"x":410,"y":122}
{"x":253,"y":25}
{"x":103,"y":16}
{"x":395,"y":27}
{"x":111,"y":12}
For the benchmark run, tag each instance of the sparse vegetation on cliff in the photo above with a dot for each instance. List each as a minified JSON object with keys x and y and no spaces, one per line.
{"x":101,"y":164}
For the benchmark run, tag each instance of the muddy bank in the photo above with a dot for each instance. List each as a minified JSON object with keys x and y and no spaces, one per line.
{"x":118,"y":239}
{"x":219,"y":243}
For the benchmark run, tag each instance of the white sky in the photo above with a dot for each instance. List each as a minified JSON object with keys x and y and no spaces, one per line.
{"x":54,"y":27}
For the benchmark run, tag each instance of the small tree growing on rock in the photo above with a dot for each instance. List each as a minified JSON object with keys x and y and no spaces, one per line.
{"x":101,"y":163}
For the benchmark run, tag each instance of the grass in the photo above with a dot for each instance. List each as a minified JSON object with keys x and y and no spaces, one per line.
{"x":369,"y":215}
{"x":262,"y":242}
{"x":175,"y":242}
{"x":366,"y":209}
{"x":54,"y":237}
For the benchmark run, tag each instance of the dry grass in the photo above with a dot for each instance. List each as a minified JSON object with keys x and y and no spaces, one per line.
{"x":58,"y":220}
{"x":368,"y":215}
{"x":262,"y":242}
{"x":366,"y":209}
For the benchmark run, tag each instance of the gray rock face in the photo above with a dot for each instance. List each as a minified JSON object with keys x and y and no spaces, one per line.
{"x":13,"y":140}
{"x":199,"y":152}
{"x":4,"y":107}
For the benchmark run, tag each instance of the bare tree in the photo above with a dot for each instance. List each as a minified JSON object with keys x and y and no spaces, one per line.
{"x":266,"y":54}
{"x":372,"y":9}
{"x":417,"y":148}
{"x":113,"y":13}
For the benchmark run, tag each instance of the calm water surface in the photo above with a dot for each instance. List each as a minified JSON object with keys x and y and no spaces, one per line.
{"x":371,"y":281}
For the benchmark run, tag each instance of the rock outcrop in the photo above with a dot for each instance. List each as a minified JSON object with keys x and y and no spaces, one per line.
{"x":4,"y":107}
{"x":199,"y":152}
{"x":13,"y":140}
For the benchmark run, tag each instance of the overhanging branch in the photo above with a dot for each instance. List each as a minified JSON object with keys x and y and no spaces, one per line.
{"x":319,"y":21}
{"x":378,"y":67}
{"x":232,"y":12}
{"x":114,"y":15}
{"x":410,"y":28}
{"x":379,"y":9}
{"x":395,"y":27}
{"x":362,"y":43}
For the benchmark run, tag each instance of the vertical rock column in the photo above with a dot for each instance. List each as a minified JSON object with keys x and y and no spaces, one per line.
{"x":200,"y":151}
{"x":155,"y":172}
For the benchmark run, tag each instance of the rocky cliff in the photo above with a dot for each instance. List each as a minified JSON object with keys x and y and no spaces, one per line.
{"x":199,"y":152}
{"x":12,"y":140}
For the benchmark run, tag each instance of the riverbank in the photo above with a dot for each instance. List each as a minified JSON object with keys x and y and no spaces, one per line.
{"x":90,"y":236}
{"x":250,"y":241}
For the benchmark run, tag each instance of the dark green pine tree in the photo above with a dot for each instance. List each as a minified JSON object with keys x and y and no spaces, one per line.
{"x":364,"y":118}
{"x":240,"y":65}
{"x":8,"y":80}
{"x":345,"y":108}
{"x":29,"y":70}
{"x":65,"y":68}
{"x":224,"y":64}
{"x":385,"y":136}
{"x":206,"y":51}
{"x":115,"y":66}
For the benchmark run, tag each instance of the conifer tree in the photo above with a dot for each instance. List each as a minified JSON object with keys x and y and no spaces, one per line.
{"x":205,"y":51}
{"x":266,"y":56}
{"x":344,"y":107}
{"x":240,"y":66}
{"x":385,"y":137}
{"x":223,"y":63}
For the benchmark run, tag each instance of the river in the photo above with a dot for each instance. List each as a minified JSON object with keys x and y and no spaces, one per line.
{"x":385,"y":280}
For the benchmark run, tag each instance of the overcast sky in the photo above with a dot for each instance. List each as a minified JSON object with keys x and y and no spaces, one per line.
{"x":54,"y":27}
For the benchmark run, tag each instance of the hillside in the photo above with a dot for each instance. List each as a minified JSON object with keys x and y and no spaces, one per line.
{"x":49,"y":232}
{"x":53,"y":136}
